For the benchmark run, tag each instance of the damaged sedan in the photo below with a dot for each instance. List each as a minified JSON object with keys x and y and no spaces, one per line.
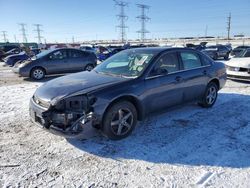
{"x":125,"y":89}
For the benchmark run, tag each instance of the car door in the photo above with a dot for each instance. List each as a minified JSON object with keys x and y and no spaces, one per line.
{"x":164,"y":86}
{"x":78,"y":60}
{"x":56,"y":62}
{"x":195,"y":74}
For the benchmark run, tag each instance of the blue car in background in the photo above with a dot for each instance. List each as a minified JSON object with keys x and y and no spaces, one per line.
{"x":11,"y":60}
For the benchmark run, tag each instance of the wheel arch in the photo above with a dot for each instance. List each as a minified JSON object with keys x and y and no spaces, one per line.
{"x":132,"y":99}
{"x":216,"y":81}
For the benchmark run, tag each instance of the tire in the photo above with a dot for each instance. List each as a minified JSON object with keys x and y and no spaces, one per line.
{"x":210,"y":96}
{"x":123,"y":116}
{"x":37,"y":73}
{"x":89,"y":67}
{"x":226,"y":57}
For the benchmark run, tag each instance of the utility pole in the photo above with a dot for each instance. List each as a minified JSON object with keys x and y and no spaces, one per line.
{"x":4,"y":34}
{"x":73,"y":39}
{"x":38,"y":30}
{"x":228,"y":26}
{"x":122,"y":17}
{"x":23,"y":31}
{"x":206,"y":31}
{"x":143,"y":19}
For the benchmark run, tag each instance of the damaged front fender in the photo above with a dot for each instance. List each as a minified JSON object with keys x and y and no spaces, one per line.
{"x":70,"y":117}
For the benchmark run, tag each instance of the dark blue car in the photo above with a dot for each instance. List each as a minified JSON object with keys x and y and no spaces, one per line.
{"x":126,"y":88}
{"x":13,"y":59}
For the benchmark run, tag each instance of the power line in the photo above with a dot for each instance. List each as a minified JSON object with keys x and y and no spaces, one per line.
{"x":143,"y":19}
{"x":23,"y":32}
{"x":122,"y":17}
{"x":4,"y":34}
{"x":38,"y":30}
{"x":228,"y":26}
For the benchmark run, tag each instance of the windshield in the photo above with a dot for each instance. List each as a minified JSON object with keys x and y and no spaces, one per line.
{"x":43,"y":53}
{"x":129,"y":63}
{"x":242,"y":53}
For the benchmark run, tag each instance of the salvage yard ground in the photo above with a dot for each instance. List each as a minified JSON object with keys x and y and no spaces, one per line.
{"x":185,"y":147}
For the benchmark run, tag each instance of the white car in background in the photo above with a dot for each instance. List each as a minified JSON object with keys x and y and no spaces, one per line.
{"x":238,"y":68}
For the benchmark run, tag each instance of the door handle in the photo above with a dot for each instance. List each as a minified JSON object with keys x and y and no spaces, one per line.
{"x":178,"y":78}
{"x":205,"y":72}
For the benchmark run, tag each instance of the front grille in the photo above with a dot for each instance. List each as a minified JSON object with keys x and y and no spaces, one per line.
{"x":238,"y":69}
{"x":41,"y":102}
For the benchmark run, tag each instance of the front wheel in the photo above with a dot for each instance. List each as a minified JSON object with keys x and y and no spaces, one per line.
{"x":120,"y":120}
{"x":37,"y":73}
{"x":210,"y":95}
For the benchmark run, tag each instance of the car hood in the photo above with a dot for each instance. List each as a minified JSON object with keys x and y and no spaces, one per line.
{"x":73,"y":84}
{"x":243,"y":62}
{"x":17,"y":55}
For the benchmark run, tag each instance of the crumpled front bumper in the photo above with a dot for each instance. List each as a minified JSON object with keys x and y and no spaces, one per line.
{"x":40,"y":116}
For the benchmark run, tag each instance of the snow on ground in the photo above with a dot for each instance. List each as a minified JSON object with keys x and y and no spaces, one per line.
{"x":185,"y":147}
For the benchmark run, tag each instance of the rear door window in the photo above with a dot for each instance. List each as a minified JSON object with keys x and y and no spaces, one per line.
{"x":190,"y":60}
{"x":75,"y":54}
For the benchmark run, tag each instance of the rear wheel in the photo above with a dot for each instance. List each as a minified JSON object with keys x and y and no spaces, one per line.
{"x":89,"y":67}
{"x":210,"y":95}
{"x":37,"y":73}
{"x":120,"y":120}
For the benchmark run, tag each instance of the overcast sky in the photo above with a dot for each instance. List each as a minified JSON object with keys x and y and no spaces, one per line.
{"x":95,"y":19}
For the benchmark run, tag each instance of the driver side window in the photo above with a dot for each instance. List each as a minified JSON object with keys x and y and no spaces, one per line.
{"x":167,"y":63}
{"x":58,"y":55}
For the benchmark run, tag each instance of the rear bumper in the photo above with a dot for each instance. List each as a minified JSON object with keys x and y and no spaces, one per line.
{"x":41,"y":117}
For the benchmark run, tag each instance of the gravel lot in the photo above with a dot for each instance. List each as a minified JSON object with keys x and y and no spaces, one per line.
{"x":184,"y":147}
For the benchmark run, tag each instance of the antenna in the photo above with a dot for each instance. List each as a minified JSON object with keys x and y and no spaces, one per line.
{"x":122,"y":17}
{"x":143,"y":19}
{"x":38,"y":30}
{"x":23,"y":31}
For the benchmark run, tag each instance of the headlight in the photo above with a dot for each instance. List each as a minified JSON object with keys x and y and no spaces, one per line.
{"x":236,"y":69}
{"x":75,"y":103}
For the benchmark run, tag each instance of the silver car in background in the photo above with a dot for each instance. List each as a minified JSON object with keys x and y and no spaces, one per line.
{"x":56,"y":61}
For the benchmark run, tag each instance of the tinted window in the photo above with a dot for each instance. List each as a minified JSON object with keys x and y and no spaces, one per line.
{"x":57,"y":55}
{"x":75,"y":54}
{"x":167,"y":63}
{"x":247,"y":54}
{"x":190,"y":60}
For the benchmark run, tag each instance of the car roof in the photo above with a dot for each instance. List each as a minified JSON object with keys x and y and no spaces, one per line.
{"x":158,"y":49}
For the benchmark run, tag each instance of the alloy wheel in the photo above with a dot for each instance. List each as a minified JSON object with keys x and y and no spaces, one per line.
{"x":122,"y":122}
{"x":211,"y":95}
